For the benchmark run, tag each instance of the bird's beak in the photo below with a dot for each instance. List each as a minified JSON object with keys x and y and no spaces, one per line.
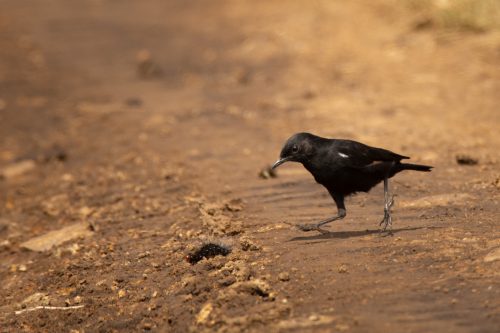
{"x":280,"y":162}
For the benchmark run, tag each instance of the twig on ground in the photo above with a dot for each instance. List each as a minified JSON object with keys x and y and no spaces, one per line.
{"x":42,"y":307}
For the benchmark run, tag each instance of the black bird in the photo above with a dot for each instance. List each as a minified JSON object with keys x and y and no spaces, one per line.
{"x":345,"y":167}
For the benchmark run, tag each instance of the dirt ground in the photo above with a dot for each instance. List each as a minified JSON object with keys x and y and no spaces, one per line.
{"x":148,"y":122}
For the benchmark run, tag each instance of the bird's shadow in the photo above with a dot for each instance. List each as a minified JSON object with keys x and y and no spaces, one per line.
{"x":351,"y":234}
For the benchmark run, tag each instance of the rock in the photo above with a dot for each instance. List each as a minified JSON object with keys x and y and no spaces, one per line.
{"x":466,"y":160}
{"x":85,"y":211}
{"x":341,"y":327}
{"x":248,"y":245}
{"x":496,"y":183}
{"x":36,"y":299}
{"x":492,"y":255}
{"x":239,"y":269}
{"x":204,"y":313}
{"x":267,"y":172}
{"x":146,"y":67}
{"x":67,"y":177}
{"x":143,"y":255}
{"x":253,"y":287}
{"x":55,"y":205}
{"x":57,"y":237}
{"x":5,"y":244}
{"x":284,"y":276}
{"x":342,"y":269}
{"x":54,"y":153}
{"x":234,"y":205}
{"x":17,"y":169}
{"x":122,"y":293}
{"x":227,"y":281}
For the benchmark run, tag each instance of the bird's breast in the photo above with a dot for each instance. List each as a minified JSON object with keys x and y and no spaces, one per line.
{"x":323,"y":174}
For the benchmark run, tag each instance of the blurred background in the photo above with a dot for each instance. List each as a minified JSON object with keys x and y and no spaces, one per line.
{"x":429,"y":61}
{"x":132,"y":114}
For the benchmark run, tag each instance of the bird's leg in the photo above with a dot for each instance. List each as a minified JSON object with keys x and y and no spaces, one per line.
{"x":317,"y":226}
{"x":387,"y":220}
{"x":339,"y":200}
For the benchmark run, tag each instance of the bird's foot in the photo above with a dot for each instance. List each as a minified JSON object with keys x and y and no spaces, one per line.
{"x":309,"y":227}
{"x":387,"y":222}
{"x":386,"y":219}
{"x":387,"y":213}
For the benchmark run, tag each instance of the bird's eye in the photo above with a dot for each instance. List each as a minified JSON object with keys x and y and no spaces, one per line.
{"x":295,"y":149}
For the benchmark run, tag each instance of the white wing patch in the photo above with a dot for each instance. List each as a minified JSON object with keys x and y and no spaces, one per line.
{"x":343,"y":155}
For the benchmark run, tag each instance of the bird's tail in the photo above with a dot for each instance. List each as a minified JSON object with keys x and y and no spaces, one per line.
{"x":416,"y":167}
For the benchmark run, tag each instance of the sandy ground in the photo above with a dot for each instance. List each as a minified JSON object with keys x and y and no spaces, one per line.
{"x":142,"y":127}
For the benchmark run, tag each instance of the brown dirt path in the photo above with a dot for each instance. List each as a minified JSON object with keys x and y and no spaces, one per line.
{"x":150,"y":121}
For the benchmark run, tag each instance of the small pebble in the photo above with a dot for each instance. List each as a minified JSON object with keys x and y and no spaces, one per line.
{"x":466,"y":160}
{"x":267,"y":172}
{"x":284,"y":276}
{"x":313,"y":317}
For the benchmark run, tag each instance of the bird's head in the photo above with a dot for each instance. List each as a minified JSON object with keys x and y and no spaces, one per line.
{"x":297,"y":148}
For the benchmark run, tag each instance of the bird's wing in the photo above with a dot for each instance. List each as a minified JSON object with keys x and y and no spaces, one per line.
{"x":357,"y":155}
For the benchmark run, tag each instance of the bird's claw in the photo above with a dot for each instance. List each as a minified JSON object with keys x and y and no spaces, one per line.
{"x":387,"y":223}
{"x":311,"y":227}
{"x":387,"y":220}
{"x":307,"y":227}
